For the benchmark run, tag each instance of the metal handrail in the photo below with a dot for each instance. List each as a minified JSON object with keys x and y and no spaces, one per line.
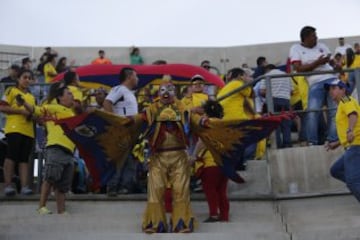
{"x":258,"y":79}
{"x":269,"y":98}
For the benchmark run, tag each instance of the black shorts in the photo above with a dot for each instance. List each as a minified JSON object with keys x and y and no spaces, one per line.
{"x":19,"y":147}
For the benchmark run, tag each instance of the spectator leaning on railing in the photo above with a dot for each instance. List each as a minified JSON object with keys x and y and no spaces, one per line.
{"x":19,"y":130}
{"x":307,"y":56}
{"x":280,"y":91}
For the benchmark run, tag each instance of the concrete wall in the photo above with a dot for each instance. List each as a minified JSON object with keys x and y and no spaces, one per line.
{"x":303,"y":170}
{"x":276,"y":53}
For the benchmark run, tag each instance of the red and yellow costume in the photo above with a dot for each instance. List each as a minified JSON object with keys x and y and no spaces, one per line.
{"x":168,"y":165}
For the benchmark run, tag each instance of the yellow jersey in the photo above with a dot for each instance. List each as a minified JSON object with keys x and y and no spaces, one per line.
{"x":234,"y":105}
{"x":347,"y":106}
{"x":55,"y":134}
{"x":77,"y":93}
{"x":49,"y":69}
{"x":196,"y":100}
{"x":300,"y":91}
{"x":204,"y":160}
{"x":356,"y":62}
{"x":16,"y":123}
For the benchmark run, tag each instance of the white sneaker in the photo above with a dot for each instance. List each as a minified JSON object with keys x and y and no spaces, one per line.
{"x":9,"y":191}
{"x":26,"y":191}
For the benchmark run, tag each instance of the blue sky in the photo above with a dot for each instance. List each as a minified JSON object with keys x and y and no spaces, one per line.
{"x":171,"y":22}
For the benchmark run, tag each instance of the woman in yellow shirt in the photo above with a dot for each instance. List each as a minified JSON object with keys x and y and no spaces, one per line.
{"x":49,"y":69}
{"x":19,"y":130}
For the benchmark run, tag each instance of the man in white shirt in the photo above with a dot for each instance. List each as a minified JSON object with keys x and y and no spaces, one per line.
{"x":280,"y":91}
{"x":342,"y":47}
{"x":308,"y":56}
{"x":122,"y":101}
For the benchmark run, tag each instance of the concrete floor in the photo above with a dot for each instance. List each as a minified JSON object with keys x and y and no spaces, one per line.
{"x":302,"y":219}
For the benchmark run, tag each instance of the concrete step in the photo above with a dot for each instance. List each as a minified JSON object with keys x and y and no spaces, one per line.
{"x":319,"y":218}
{"x":122,"y":220}
{"x":111,"y":235}
{"x":257,"y":181}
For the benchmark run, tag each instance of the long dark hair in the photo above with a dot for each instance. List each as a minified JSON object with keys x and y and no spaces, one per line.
{"x":60,"y":66}
{"x":134,"y":50}
{"x":54,"y":91}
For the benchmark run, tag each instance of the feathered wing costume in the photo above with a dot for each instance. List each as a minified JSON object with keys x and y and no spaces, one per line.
{"x":103,"y":139}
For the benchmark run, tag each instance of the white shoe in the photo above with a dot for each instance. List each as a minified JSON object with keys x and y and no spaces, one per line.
{"x":26,"y":191}
{"x":9,"y":191}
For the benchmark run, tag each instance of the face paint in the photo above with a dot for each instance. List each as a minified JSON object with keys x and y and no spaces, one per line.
{"x":167,"y":93}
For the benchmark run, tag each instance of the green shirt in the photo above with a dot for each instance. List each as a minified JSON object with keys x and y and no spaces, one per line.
{"x":136,"y":60}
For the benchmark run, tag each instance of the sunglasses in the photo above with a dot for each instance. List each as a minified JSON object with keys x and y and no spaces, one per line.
{"x":207,"y":67}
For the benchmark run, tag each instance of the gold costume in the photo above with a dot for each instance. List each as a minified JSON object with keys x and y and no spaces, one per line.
{"x":168,"y":166}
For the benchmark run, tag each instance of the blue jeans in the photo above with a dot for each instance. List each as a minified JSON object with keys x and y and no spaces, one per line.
{"x":283,"y":132}
{"x":352,"y":82}
{"x":347,"y":170}
{"x":124,"y":177}
{"x":318,"y":97}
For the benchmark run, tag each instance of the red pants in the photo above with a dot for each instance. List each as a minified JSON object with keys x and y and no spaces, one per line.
{"x":214,"y":185}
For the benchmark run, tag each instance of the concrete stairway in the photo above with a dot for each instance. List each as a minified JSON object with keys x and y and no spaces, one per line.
{"x":122,"y":220}
{"x":330,"y":218}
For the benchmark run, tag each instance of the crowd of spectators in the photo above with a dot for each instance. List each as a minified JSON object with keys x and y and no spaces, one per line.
{"x":288,"y":93}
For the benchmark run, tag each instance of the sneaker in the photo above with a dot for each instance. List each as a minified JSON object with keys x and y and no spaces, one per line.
{"x":9,"y":191}
{"x":123,"y":191}
{"x":44,"y":211}
{"x":111,"y":193}
{"x":26,"y":191}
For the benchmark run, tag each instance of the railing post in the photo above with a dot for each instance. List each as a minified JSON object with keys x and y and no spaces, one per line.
{"x":269,"y":97}
{"x":357,"y":82}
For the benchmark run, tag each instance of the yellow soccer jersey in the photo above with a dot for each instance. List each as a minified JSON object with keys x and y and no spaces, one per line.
{"x":56,"y":135}
{"x":347,"y":106}
{"x":16,"y":123}
{"x":234,"y":105}
{"x":49,"y":68}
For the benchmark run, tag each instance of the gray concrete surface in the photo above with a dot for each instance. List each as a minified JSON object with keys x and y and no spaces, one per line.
{"x":276,"y":53}
{"x":303,"y":170}
{"x":330,"y":218}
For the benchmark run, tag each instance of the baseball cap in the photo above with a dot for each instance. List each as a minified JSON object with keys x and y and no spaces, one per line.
{"x":197,"y":77}
{"x":336,"y":82}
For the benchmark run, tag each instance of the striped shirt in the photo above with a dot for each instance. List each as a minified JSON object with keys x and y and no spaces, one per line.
{"x":280,"y":87}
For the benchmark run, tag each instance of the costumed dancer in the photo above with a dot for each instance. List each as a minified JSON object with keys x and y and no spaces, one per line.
{"x":213,"y":180}
{"x":168,"y":125}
